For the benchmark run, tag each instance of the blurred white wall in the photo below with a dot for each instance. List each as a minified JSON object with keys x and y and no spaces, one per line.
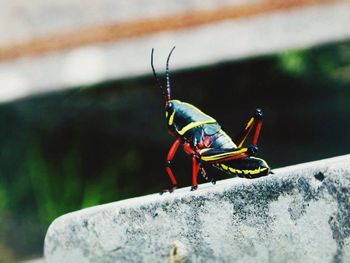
{"x":246,"y":28}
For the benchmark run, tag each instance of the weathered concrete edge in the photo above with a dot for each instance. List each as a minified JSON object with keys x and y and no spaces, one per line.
{"x":313,"y":168}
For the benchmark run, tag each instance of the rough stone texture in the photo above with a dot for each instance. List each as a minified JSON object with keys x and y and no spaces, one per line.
{"x":299,"y":214}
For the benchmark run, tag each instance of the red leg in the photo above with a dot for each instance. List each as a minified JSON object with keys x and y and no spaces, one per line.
{"x":257,"y":132}
{"x":170,"y":157}
{"x":256,"y":119}
{"x":245,"y":132}
{"x":195,"y":170}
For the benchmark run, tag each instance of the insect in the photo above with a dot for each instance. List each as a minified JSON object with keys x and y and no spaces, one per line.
{"x":204,"y":140}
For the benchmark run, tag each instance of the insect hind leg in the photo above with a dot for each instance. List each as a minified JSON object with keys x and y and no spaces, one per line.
{"x":249,"y":167}
{"x":255,"y":120}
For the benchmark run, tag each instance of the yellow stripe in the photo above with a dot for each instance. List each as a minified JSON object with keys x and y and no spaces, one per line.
{"x":188,"y":104}
{"x":171,"y":119}
{"x":246,"y":171}
{"x":193,"y":125}
{"x":237,"y":171}
{"x":225,"y":167}
{"x":249,"y":123}
{"x":246,"y":127}
{"x":222,"y":155}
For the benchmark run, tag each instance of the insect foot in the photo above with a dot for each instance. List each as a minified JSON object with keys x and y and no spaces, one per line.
{"x":194,"y":187}
{"x":170,"y":190}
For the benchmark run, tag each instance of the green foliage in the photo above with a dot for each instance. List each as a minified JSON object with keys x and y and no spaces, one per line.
{"x":293,"y":62}
{"x":4,"y":198}
{"x":330,"y":63}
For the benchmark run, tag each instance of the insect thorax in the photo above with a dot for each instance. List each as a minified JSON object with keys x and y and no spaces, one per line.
{"x":182,"y":116}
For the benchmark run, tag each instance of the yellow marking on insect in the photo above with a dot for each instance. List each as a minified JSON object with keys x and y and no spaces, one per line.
{"x":256,"y":158}
{"x":166,"y":114}
{"x":238,"y":171}
{"x":246,"y":171}
{"x":223,"y":155}
{"x":235,"y":171}
{"x":189,"y":104}
{"x":193,"y":125}
{"x":256,"y":171}
{"x":171,"y":119}
{"x":249,"y":123}
{"x":246,"y":127}
{"x":225,"y":167}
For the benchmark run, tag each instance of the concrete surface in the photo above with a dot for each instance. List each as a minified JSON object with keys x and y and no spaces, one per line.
{"x":209,"y":43}
{"x":299,"y":214}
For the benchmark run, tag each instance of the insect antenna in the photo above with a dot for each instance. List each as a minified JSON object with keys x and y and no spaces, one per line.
{"x":155,"y":74}
{"x":167,"y":74}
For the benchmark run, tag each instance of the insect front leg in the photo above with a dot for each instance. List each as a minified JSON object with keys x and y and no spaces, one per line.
{"x":197,"y":167}
{"x":170,"y":157}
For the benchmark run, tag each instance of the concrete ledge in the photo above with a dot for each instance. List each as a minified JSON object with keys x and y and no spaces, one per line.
{"x":299,"y":214}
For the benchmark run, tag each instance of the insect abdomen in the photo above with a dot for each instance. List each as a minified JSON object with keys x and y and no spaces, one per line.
{"x":249,"y":167}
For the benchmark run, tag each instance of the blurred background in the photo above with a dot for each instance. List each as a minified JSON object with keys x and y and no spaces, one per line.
{"x":83,"y":119}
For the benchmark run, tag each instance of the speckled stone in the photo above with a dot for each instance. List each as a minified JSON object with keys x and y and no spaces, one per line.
{"x":299,"y":214}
